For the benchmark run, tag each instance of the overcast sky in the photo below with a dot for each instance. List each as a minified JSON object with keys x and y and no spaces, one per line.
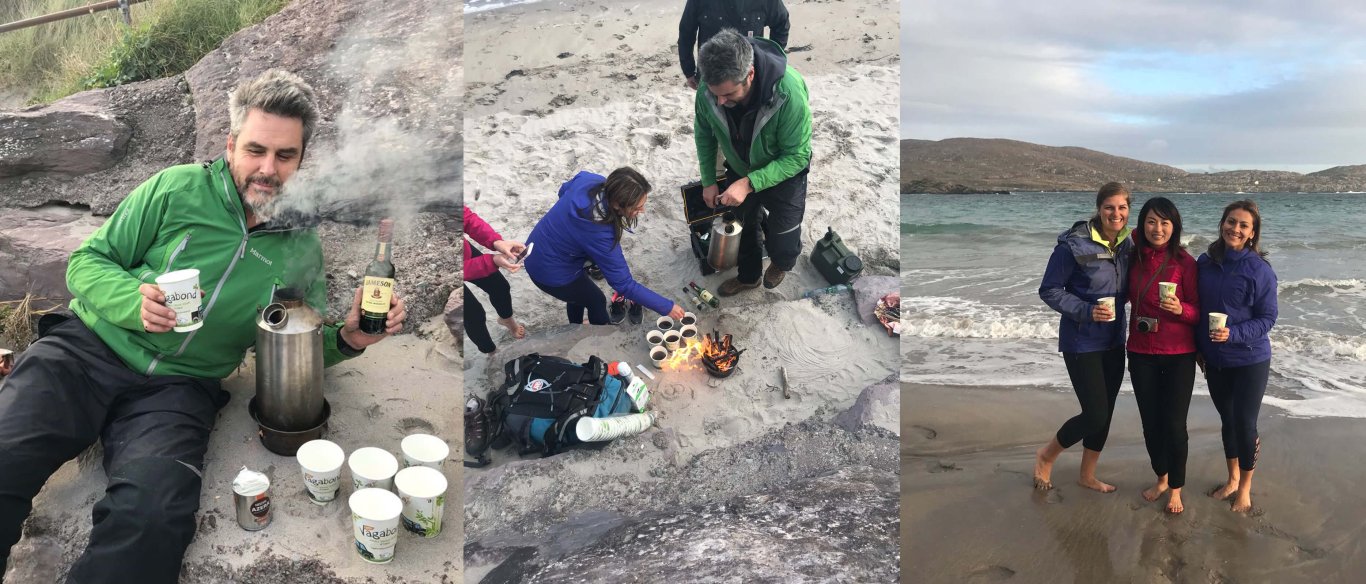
{"x":1202,"y":85}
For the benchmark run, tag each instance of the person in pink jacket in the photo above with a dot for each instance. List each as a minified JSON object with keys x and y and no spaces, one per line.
{"x":482,"y":270}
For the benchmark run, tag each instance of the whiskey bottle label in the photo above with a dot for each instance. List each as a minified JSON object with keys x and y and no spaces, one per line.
{"x":375,"y":295}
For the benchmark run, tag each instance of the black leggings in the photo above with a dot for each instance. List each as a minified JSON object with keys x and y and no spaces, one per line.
{"x":1095,"y":377}
{"x":476,"y":321}
{"x":580,"y":295}
{"x":1162,"y":388}
{"x":1237,"y":393}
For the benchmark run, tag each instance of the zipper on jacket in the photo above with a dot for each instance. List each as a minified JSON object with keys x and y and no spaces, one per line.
{"x":213,"y":298}
{"x":179,"y":248}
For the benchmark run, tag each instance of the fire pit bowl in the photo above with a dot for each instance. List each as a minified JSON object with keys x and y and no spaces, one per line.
{"x":719,"y":357}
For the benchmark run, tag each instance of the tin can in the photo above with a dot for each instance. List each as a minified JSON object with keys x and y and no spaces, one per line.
{"x":251,"y":498}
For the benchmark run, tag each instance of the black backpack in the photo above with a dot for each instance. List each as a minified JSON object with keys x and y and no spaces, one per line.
{"x":541,"y":400}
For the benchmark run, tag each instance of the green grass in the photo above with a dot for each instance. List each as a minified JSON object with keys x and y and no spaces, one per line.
{"x":47,"y":62}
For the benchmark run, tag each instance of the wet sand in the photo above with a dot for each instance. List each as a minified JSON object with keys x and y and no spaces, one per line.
{"x":970,"y":513}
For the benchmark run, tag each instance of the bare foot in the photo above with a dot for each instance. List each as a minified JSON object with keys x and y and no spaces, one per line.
{"x":1223,"y":492}
{"x":518,"y":331}
{"x":1043,"y":470}
{"x":1243,"y":503}
{"x":1174,"y":505}
{"x":1151,"y":494}
{"x":1094,"y":484}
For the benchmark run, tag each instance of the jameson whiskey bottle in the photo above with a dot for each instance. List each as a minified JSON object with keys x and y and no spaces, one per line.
{"x":379,"y":283}
{"x":705,"y":295}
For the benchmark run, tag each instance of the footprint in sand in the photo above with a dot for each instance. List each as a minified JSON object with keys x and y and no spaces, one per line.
{"x":939,"y":466}
{"x":413,"y":425}
{"x":927,"y":433}
{"x":991,"y":574}
{"x":1051,"y":496}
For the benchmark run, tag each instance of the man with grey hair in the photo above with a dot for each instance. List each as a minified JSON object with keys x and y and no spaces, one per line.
{"x":118,"y":373}
{"x":753,"y":108}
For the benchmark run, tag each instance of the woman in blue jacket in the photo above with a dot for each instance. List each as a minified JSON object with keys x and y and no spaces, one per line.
{"x":1090,"y":262}
{"x":586,"y":223}
{"x":1236,"y":280}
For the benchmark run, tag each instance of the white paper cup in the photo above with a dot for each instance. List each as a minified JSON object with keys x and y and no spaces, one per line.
{"x":1217,"y":320}
{"x":321,"y":461}
{"x":657,"y":356}
{"x":654,"y":337}
{"x":665,"y":323}
{"x":183,"y":295}
{"x":374,"y":523}
{"x":424,"y":450}
{"x":372,"y":468}
{"x":689,"y":334}
{"x":423,"y":491}
{"x":672,"y":340}
{"x":689,"y":319}
{"x":1166,"y":289}
{"x":1110,"y":302}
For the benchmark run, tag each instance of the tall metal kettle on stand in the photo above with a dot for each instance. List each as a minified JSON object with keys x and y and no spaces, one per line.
{"x":289,"y":407}
{"x":724,"y":249}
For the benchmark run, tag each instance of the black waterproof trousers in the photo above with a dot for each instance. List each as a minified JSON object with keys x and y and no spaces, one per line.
{"x":786,"y":205}
{"x":69,"y":390}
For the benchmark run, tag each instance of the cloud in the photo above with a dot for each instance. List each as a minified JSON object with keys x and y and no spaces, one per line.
{"x":1269,"y":84}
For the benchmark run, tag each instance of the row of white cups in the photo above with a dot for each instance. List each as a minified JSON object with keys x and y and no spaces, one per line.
{"x":376,"y":511}
{"x":671,"y":336}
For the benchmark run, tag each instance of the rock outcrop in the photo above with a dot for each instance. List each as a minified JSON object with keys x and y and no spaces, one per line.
{"x":388,"y":144}
{"x":841,"y":527}
{"x":69,"y":139}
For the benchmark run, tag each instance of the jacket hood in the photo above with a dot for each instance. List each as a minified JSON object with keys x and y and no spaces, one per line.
{"x":770,"y":64}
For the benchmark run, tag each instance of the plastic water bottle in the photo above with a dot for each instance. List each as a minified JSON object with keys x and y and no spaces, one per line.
{"x":836,"y":289}
{"x":635,"y":386}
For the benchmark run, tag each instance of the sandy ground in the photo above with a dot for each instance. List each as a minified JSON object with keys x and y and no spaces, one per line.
{"x":595,"y":85}
{"x":400,"y":386}
{"x":971,"y":515}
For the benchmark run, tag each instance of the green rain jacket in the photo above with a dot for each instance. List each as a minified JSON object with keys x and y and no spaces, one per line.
{"x":191,"y":216}
{"x":781,"y":147}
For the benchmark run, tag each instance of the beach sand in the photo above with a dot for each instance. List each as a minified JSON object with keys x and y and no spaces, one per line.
{"x":971,"y":514}
{"x":375,"y":402}
{"x":556,"y":88}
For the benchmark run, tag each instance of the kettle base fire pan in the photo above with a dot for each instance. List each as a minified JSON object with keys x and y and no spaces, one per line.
{"x":288,"y":443}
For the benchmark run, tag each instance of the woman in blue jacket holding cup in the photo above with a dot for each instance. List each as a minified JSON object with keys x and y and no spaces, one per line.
{"x":1238,"y":298}
{"x":587,"y":223}
{"x":1086,"y":281}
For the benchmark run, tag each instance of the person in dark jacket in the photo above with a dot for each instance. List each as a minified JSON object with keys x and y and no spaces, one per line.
{"x":1162,"y":343}
{"x":1236,"y":280}
{"x":482,"y":270}
{"x":1089,"y":264}
{"x":754,"y":109}
{"x":586,"y":223}
{"x":702,"y":19}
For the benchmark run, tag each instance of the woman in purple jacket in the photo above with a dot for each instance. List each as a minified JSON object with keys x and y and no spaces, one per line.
{"x":587,"y":223}
{"x":1236,"y":280}
{"x":1089,"y":263}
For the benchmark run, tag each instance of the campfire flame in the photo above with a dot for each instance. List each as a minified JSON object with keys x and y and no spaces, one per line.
{"x":721,"y":357}
{"x":714,"y":351}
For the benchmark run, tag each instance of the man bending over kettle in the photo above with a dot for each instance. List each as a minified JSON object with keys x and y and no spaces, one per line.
{"x":119,"y":373}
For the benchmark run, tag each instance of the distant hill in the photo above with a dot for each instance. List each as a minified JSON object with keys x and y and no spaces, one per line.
{"x":970,"y":165}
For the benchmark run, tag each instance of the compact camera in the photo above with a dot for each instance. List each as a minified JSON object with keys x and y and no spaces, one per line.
{"x":1147,"y":325}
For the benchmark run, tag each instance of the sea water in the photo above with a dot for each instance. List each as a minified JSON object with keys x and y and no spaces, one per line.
{"x":971,"y":267}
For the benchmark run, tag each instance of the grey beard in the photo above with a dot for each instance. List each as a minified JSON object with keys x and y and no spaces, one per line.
{"x":265,"y":211}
